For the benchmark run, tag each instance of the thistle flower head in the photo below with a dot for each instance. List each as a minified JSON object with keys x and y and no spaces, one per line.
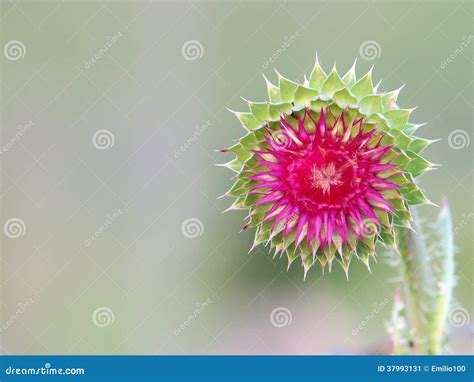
{"x":327,"y":168}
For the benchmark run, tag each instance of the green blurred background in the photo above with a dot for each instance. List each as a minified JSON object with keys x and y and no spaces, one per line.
{"x":158,"y":76}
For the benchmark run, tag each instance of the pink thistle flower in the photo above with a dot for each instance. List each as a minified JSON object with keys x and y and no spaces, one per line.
{"x":326,"y":169}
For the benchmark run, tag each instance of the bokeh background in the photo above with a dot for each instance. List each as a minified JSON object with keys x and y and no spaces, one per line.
{"x":110,"y":115}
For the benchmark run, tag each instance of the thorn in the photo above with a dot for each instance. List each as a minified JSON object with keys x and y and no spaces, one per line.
{"x":306,"y":81}
{"x":316,"y":62}
{"x":306,"y":269}
{"x":376,"y":87}
{"x":244,"y":227}
{"x":444,"y":204}
{"x":346,"y":271}
{"x":267,"y":81}
{"x":246,"y":100}
{"x":367,"y":264}
{"x":289,"y":264}
{"x":353,"y":65}
{"x":253,"y":247}
{"x":400,"y":88}
{"x":228,"y":209}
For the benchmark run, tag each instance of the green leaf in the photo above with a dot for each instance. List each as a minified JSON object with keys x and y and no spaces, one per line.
{"x":251,"y":199}
{"x":402,"y":159}
{"x":417,"y":165}
{"x":402,"y":140}
{"x":241,"y":152}
{"x":237,"y":205}
{"x":273,"y":91}
{"x":417,"y":197}
{"x":383,"y":217}
{"x":350,"y":77}
{"x":398,"y":205}
{"x":387,"y":239}
{"x":332,"y":84}
{"x":409,"y":187}
{"x":388,"y":140}
{"x":404,"y":215}
{"x":278,"y":109}
{"x":247,"y":120}
{"x":249,"y":141}
{"x":260,"y":111}
{"x":287,"y":88}
{"x":398,"y":118}
{"x":363,"y":87}
{"x":234,"y":165}
{"x":317,"y":77}
{"x":292,"y":255}
{"x":371,"y":104}
{"x":344,"y":98}
{"x":410,"y":128}
{"x":399,"y":179}
{"x":419,"y":144}
{"x":303,"y":95}
{"x":238,"y":188}
{"x":318,"y":104}
{"x":389,"y":99}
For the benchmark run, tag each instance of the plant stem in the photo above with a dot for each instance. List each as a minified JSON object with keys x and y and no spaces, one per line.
{"x":415,"y":284}
{"x":427,"y":281}
{"x":444,"y":273}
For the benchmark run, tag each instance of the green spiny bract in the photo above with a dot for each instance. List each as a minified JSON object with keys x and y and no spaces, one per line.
{"x":327,"y":168}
